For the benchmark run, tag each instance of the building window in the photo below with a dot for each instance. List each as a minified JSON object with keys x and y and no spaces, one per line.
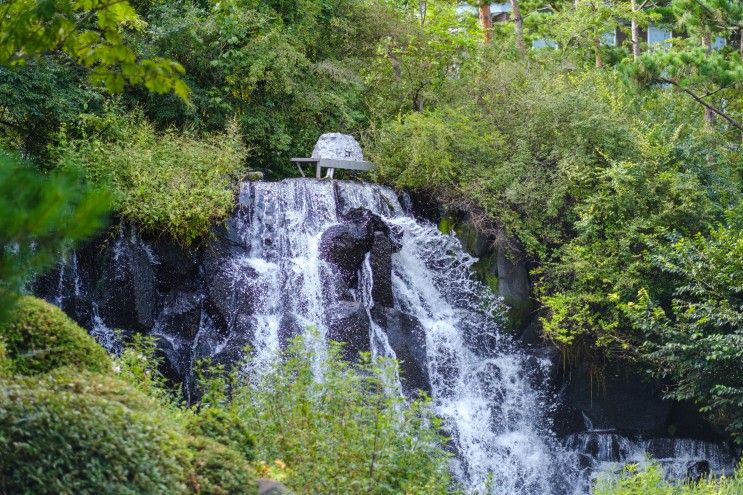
{"x":610,"y":38}
{"x":543,"y":43}
{"x":500,"y":8}
{"x":719,"y":42}
{"x":657,"y":35}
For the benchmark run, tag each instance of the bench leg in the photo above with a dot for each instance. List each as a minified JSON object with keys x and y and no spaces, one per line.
{"x":318,"y":171}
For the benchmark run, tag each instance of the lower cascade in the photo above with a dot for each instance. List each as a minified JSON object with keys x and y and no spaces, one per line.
{"x":348,"y":259}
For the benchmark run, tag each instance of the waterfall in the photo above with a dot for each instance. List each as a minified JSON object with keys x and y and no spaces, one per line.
{"x":348,"y":260}
{"x":493,"y":414}
{"x":480,"y":382}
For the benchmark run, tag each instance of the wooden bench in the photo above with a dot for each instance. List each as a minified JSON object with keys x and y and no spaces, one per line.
{"x":332,"y":164}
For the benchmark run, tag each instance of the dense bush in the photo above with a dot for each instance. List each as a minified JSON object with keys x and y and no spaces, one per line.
{"x":218,"y":470}
{"x":60,"y":441}
{"x":225,"y":427}
{"x":172,"y":182}
{"x":697,"y":340}
{"x":85,"y":433}
{"x":649,"y":481}
{"x":39,"y":337}
{"x":347,"y":432}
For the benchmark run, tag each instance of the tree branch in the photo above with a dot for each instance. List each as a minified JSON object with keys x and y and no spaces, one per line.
{"x":706,"y":105}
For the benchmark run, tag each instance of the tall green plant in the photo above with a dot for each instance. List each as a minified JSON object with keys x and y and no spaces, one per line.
{"x":342,"y":431}
{"x":174,"y":182}
{"x":697,"y":341}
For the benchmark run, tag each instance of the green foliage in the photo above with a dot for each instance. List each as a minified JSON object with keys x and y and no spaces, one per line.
{"x":586,"y":173}
{"x":697,"y":339}
{"x":39,"y":337}
{"x":711,"y":76}
{"x":441,"y":148}
{"x":66,"y":441}
{"x":38,"y":96}
{"x":218,"y":470}
{"x":91,"y":33}
{"x":87,"y":433}
{"x":649,"y":481}
{"x":40,"y":217}
{"x":174,"y":182}
{"x":224,"y":426}
{"x":343,"y":433}
{"x":139,"y":365}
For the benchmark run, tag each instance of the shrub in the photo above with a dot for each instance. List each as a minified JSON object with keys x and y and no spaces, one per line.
{"x":84,"y":433}
{"x":172,"y":182}
{"x":40,"y":337}
{"x":346,"y":432}
{"x":697,"y":339}
{"x":218,"y":470}
{"x":649,"y":481}
{"x":54,"y":440}
{"x":225,"y":427}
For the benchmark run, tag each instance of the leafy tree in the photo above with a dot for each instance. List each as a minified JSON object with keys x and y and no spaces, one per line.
{"x":40,"y":95}
{"x":41,"y":216}
{"x":417,"y":62}
{"x":90,"y":32}
{"x":585,"y":25}
{"x":711,"y":77}
{"x":697,"y":340}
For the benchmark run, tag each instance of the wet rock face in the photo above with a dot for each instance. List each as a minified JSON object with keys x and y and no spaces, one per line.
{"x":617,"y":399}
{"x":697,"y":470}
{"x":204,"y":303}
{"x":348,"y":322}
{"x":345,"y":246}
{"x":408,"y":339}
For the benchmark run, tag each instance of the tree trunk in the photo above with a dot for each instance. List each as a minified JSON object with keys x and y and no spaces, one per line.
{"x":518,"y":24}
{"x":597,"y":53}
{"x":486,"y":21}
{"x":709,"y":114}
{"x":635,"y":30}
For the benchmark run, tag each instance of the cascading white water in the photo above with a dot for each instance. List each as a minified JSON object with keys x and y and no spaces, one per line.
{"x":488,"y":404}
{"x":485,"y":397}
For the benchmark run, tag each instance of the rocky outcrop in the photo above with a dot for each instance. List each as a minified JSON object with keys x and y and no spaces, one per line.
{"x":345,"y":245}
{"x":271,"y":487}
{"x":408,"y":339}
{"x":620,"y":399}
{"x":348,"y":322}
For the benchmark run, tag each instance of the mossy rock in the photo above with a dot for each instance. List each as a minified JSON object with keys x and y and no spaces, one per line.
{"x":39,"y":337}
{"x":224,"y":427}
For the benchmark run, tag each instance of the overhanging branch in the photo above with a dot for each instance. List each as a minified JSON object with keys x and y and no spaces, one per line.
{"x":699,"y":100}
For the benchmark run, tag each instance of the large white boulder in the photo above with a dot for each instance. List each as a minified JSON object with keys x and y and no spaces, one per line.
{"x":337,"y":146}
